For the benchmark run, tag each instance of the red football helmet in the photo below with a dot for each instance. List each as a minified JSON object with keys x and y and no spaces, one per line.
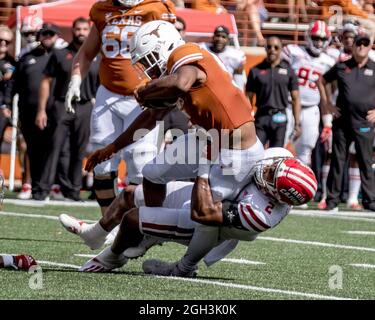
{"x":287,"y":180}
{"x":318,"y":37}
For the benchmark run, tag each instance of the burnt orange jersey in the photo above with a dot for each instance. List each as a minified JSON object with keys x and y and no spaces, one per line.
{"x":218,"y":103}
{"x":116,"y":24}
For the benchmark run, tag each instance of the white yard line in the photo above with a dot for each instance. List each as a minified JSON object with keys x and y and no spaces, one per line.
{"x":35,"y":203}
{"x":340,"y":213}
{"x":242,"y":261}
{"x":222,"y":284}
{"x":363,"y":265}
{"x":253,"y":288}
{"x":36,"y":216}
{"x":85,"y":255}
{"x":58,"y":264}
{"x":319,"y":244}
{"x":361,"y":233}
{"x":238,"y":261}
{"x":347,"y":215}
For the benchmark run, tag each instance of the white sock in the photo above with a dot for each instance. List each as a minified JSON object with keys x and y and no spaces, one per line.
{"x":8,"y":260}
{"x":325,"y":171}
{"x":94,"y":235}
{"x":354,"y":185}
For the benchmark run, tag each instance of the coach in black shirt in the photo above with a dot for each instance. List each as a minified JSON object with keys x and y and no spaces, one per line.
{"x":27,"y":78}
{"x":271,"y":81}
{"x":354,"y":119}
{"x":72,"y":126}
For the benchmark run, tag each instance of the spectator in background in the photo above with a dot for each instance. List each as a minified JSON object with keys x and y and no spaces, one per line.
{"x":271,"y":81}
{"x":74,"y":126}
{"x":26,"y":81}
{"x":180,"y":25}
{"x":257,"y":14}
{"x":233,"y":59}
{"x":354,"y":118}
{"x":309,"y":62}
{"x":179,"y":3}
{"x":29,"y":31}
{"x":7,"y":65}
{"x":209,"y":5}
{"x":301,"y":6}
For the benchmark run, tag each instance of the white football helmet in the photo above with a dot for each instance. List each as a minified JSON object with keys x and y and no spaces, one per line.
{"x":287,"y":180}
{"x":130,"y":3}
{"x":151,"y":46}
{"x":318,"y":32}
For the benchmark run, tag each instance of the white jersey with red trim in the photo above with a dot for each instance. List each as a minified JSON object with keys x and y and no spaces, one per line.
{"x":232,"y":58}
{"x":308,"y":70}
{"x":258,"y":212}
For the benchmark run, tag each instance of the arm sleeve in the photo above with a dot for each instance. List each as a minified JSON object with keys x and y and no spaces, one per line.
{"x":250,"y":85}
{"x":51,"y":68}
{"x":293,"y":80}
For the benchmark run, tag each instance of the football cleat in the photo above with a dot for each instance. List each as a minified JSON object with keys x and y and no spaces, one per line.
{"x":25,"y":193}
{"x":72,"y":224}
{"x":23,"y":262}
{"x":162,"y":268}
{"x":105,"y":261}
{"x":144,"y":245}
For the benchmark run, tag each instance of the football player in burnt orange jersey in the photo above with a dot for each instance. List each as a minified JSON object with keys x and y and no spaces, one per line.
{"x":211,"y":100}
{"x":114,"y":22}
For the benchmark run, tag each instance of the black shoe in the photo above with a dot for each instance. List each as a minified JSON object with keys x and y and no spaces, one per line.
{"x":40,"y":196}
{"x":369,"y":206}
{"x":331,"y":206}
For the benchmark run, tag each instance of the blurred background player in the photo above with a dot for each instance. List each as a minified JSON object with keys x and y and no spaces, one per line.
{"x":233,"y":59}
{"x":30,"y":28}
{"x":7,"y":65}
{"x":271,"y":82}
{"x":115,"y":108}
{"x":309,"y":63}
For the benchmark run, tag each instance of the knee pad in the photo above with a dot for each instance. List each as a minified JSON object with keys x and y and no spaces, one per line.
{"x":105,"y":187}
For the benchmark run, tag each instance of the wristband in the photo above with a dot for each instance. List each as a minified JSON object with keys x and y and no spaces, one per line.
{"x":327,"y":120}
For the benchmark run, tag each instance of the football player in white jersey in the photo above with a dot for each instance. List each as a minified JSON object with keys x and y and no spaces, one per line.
{"x":233,"y":59}
{"x":309,"y":63}
{"x":279,"y":182}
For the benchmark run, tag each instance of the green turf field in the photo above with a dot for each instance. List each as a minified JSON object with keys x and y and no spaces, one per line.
{"x":293,"y":261}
